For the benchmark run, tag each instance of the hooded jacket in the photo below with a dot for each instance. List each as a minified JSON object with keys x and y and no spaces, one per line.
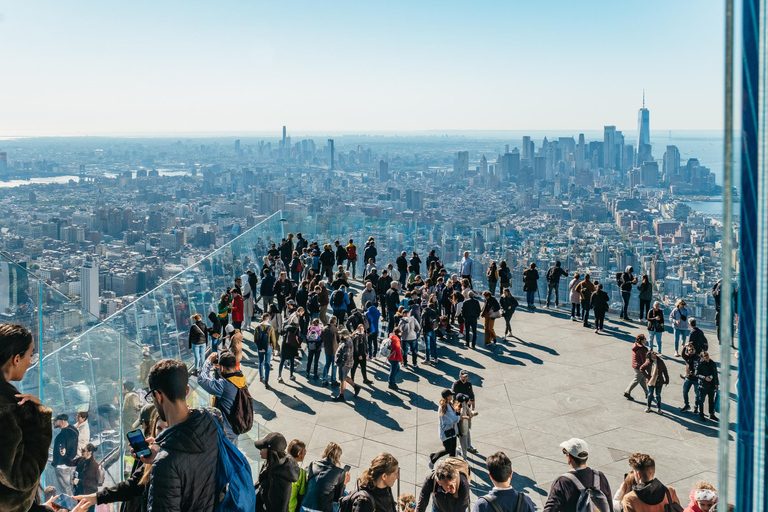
{"x":275,"y":480}
{"x":225,"y":391}
{"x":27,"y":434}
{"x":650,"y":497}
{"x":325,"y":485}
{"x":183,"y":477}
{"x":373,"y":315}
{"x":530,"y":280}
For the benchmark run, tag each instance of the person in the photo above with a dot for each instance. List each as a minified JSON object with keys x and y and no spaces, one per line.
{"x":406,"y":502}
{"x":415,"y":262}
{"x":323,"y":299}
{"x":392,"y":300}
{"x":566,"y":489}
{"x":448,"y":427}
{"x":655,"y":319}
{"x":326,"y":262}
{"x":374,"y":316}
{"x":463,"y":386}
{"x":646,"y":295}
{"x":341,"y":254}
{"x":369,"y":294}
{"x":575,"y":297}
{"x":296,"y":266}
{"x":64,"y":452}
{"x":692,"y":359}
{"x":466,"y":267}
{"x":298,"y":450}
{"x":87,"y":472}
{"x":351,"y":249}
{"x":505,"y":275}
{"x":223,"y":309}
{"x":345,"y":354}
{"x":375,"y":485}
{"x":325,"y":481}
{"x":360,"y":344}
{"x":24,"y":422}
{"x":430,"y":322}
{"x":266,"y":340}
{"x":585,"y":289}
{"x":131,"y":405}
{"x":314,"y":346}
{"x":83,"y":430}
{"x":290,"y":348}
{"x":703,"y":498}
{"x":697,"y":337}
{"x":709,"y":382}
{"x":553,"y":282}
{"x":492,"y":274}
{"x":330,"y":339}
{"x":223,"y":387}
{"x":656,"y":375}
{"x":648,"y":494}
{"x":267,"y":289}
{"x":278,"y":474}
{"x":370,"y":253}
{"x":626,"y":281}
{"x":679,"y":319}
{"x":531,"y":284}
{"x":470,"y":311}
{"x":490,"y":312}
{"x":282,"y":290}
{"x":503,"y":494}
{"x":198,"y":340}
{"x":238,"y":307}
{"x":183,"y":476}
{"x":410,"y":329}
{"x":639,"y":355}
{"x":465,"y":412}
{"x":626,"y":487}
{"x":600,"y":301}
{"x":395,"y":357}
{"x":382,"y":286}
{"x":448,"y":487}
{"x":508,"y":306}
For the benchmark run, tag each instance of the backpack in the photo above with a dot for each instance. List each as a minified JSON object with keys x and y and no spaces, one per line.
{"x":240,"y":415}
{"x":386,"y":348}
{"x":298,"y":267}
{"x":550,"y":273}
{"x":337,"y":299}
{"x":352,"y":253}
{"x":590,"y":499}
{"x":262,"y":341}
{"x":619,"y":278}
{"x":314,"y":336}
{"x":519,"y":506}
{"x":347,"y":502}
{"x":341,"y":355}
{"x":671,"y":506}
{"x":234,"y":481}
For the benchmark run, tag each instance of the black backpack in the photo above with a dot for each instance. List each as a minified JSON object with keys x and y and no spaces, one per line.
{"x":520,"y":506}
{"x":337,"y":299}
{"x":619,"y":278}
{"x":550,"y":274}
{"x":347,"y":503}
{"x":262,"y":341}
{"x":240,"y":415}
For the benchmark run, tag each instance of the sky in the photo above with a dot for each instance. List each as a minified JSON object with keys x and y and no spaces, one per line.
{"x":250,"y":67}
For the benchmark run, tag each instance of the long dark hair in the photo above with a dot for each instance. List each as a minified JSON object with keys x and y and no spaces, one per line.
{"x":15,"y":340}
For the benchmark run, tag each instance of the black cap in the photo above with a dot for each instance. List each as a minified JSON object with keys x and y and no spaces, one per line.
{"x":461,"y":397}
{"x":446,"y":393}
{"x":227,"y":360}
{"x":273,"y":441}
{"x":145,"y":415}
{"x":61,"y":417}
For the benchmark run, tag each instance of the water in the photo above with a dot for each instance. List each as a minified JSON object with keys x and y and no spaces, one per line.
{"x":32,"y":181}
{"x":712,"y":208}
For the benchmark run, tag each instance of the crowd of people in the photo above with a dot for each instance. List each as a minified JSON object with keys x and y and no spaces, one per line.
{"x":301,"y":304}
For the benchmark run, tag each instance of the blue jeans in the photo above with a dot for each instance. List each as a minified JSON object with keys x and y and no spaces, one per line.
{"x":412,"y":347}
{"x":296,"y":277}
{"x":654,"y":390}
{"x":654,"y":335}
{"x":686,"y":388}
{"x":264,"y":359}
{"x":214,"y":345}
{"x":329,"y":367}
{"x":199,"y":352}
{"x":394,"y":367}
{"x":530,"y":296}
{"x":680,"y":335}
{"x":430,"y":345}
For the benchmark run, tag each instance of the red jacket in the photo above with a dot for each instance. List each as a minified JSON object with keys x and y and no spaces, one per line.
{"x":237,"y":308}
{"x":397,"y":351}
{"x":639,"y":355}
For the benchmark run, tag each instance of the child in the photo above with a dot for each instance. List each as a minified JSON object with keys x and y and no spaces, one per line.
{"x":703,"y":498}
{"x":406,"y":502}
{"x":298,"y":450}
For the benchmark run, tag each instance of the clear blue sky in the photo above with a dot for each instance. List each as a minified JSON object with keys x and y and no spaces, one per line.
{"x":122,"y":67}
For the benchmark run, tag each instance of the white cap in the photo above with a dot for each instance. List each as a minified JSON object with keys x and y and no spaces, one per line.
{"x":576,"y":447}
{"x":230,"y":328}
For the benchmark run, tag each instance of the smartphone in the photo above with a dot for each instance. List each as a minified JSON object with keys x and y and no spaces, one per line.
{"x":347,"y":468}
{"x":138,"y":443}
{"x":66,"y":501}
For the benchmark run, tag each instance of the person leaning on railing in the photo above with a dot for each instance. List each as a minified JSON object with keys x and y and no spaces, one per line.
{"x":25,"y":424}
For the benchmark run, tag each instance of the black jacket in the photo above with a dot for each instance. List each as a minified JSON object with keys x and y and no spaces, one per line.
{"x":530,"y":280}
{"x":429,"y":320}
{"x":66,"y":438}
{"x":326,"y":258}
{"x":341,"y":254}
{"x":131,"y":495}
{"x":416,"y":264}
{"x":471,"y":308}
{"x":393,"y":298}
{"x":508,"y":304}
{"x":600,"y":301}
{"x":370,"y":254}
{"x":707,"y":369}
{"x":460,"y":387}
{"x":198,"y":334}
{"x":183,"y":477}
{"x":554,"y":274}
{"x":378,"y":500}
{"x":652,"y":493}
{"x":698,"y":339}
{"x":274,"y":488}
{"x":563,"y":494}
{"x":383,"y":284}
{"x":490,"y":305}
{"x":325,"y":485}
{"x":402,"y":264}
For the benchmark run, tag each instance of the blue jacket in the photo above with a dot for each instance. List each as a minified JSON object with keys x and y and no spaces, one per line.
{"x":373,"y":315}
{"x":224,"y":391}
{"x":343,"y":306}
{"x":507,"y":500}
{"x":267,"y":285}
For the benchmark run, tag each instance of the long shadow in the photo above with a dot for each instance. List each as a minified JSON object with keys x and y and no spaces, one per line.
{"x":692,"y":422}
{"x":536,"y":346}
{"x":381,"y":417}
{"x":298,"y":404}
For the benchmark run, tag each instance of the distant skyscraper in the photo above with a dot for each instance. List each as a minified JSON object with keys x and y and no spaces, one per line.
{"x":483,"y":166}
{"x":3,"y":165}
{"x":284,"y":136}
{"x":509,"y":166}
{"x":527,"y":151}
{"x":643,"y":135}
{"x":383,"y":171}
{"x":461,"y":163}
{"x":330,"y":145}
{"x":671,"y":161}
{"x":581,"y":153}
{"x":237,"y":145}
{"x":649,"y":174}
{"x":89,"y":287}
{"x":609,"y":147}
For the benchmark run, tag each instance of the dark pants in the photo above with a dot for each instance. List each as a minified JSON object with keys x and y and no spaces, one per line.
{"x":530,"y":297}
{"x":403,"y":277}
{"x":391,"y":322}
{"x":654,"y":390}
{"x":237,"y":325}
{"x":292,"y":365}
{"x":327,"y":271}
{"x":470,"y":324}
{"x":556,"y":288}
{"x":449,"y":449}
{"x":687,"y":387}
{"x":507,"y":326}
{"x":625,"y":297}
{"x":585,"y":311}
{"x":412,"y":347}
{"x":314,"y":355}
{"x":394,"y":367}
{"x":340,"y":315}
{"x":704,"y":393}
{"x":373,"y":344}
{"x":362,"y":364}
{"x":383,"y":305}
{"x":645,"y":307}
{"x":576,"y":309}
{"x":599,"y":319}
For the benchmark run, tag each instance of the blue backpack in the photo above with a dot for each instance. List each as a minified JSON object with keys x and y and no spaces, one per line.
{"x":234,"y":481}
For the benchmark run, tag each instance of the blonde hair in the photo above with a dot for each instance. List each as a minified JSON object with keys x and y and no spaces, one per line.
{"x":197,"y":317}
{"x":704,"y":485}
{"x":332,"y":452}
{"x":406,"y":501}
{"x":236,"y":345}
{"x":383,"y":464}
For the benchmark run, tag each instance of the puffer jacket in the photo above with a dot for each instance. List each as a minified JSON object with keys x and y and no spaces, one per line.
{"x":575,"y":298}
{"x":183,"y":477}
{"x":325,"y":485}
{"x":27,"y":435}
{"x":274,"y":490}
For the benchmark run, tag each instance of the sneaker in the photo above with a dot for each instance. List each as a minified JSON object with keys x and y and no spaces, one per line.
{"x":696,"y":409}
{"x":647,"y":409}
{"x":684,"y":408}
{"x":338,"y":398}
{"x":393,"y":386}
{"x":713,"y":417}
{"x":472,"y":449}
{"x":280,"y":379}
{"x":325,"y":383}
{"x":335,"y":384}
{"x":357,"y":389}
{"x":597,"y":331}
{"x":368,"y":381}
{"x":266,"y":385}
{"x":293,"y":377}
{"x":677,"y":354}
{"x":658,"y":410}
{"x":627,"y":396}
{"x":573,"y":319}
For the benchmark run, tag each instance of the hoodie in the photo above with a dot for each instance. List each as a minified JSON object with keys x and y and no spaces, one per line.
{"x":373,"y":315}
{"x":225,"y":391}
{"x":275,"y":481}
{"x":650,"y":497}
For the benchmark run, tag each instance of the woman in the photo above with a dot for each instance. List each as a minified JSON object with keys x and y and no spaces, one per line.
{"x":458,"y":303}
{"x":238,"y":305}
{"x":214,"y":330}
{"x":508,"y":305}
{"x":25,"y":424}
{"x":198,"y":340}
{"x":656,"y":375}
{"x":504,"y":275}
{"x":679,"y":319}
{"x":415,"y":263}
{"x":491,"y":311}
{"x":448,"y":427}
{"x":655,"y":319}
{"x":395,"y":357}
{"x":703,"y":498}
{"x":248,"y":297}
{"x":291,"y":343}
{"x":87,"y":472}
{"x":325,"y":481}
{"x":276,"y":321}
{"x":493,"y":277}
{"x":296,"y":267}
{"x":626,"y":488}
{"x":575,"y":297}
{"x":223,"y":310}
{"x":376,"y":486}
{"x":278,"y":472}
{"x":314,"y":345}
{"x":646,"y":295}
{"x":281,"y":289}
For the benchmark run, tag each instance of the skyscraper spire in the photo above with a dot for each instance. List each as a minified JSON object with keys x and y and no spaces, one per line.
{"x":643,"y":98}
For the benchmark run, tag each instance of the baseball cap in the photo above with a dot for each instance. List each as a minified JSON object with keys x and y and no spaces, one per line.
{"x":273,"y":441}
{"x":576,"y":447}
{"x":145,"y":415}
{"x":227,"y":360}
{"x":344,"y":332}
{"x":291,"y":302}
{"x":462,"y":373}
{"x":446,"y":393}
{"x":230,"y":328}
{"x":461,"y":397}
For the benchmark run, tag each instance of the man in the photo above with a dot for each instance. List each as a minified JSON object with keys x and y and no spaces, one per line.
{"x":326,"y":262}
{"x":471,"y":312}
{"x":64,"y":452}
{"x":330,"y":339}
{"x":531,"y":284}
{"x":224,"y":388}
{"x":709,"y":382}
{"x":347,"y":360}
{"x":648,"y":494}
{"x":639,"y":356}
{"x":697,"y":337}
{"x":692,"y":360}
{"x":502,"y":494}
{"x":185,"y":455}
{"x":392,"y":299}
{"x":370,"y":252}
{"x":553,"y":282}
{"x":626,"y":282}
{"x":566,"y":489}
{"x":370,"y":268}
{"x":430,"y":321}
{"x":369,"y":294}
{"x":351,"y":257}
{"x":339,"y":303}
{"x":463,"y":386}
{"x":267,"y":289}
{"x":301,"y":243}
{"x":402,"y":267}
{"x":266,"y":340}
{"x":448,"y":488}
{"x":585,"y":289}
{"x":341,"y":254}
{"x":83,"y":430}
{"x":466,"y":267}
{"x":410,"y":328}
{"x":286,"y":250}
